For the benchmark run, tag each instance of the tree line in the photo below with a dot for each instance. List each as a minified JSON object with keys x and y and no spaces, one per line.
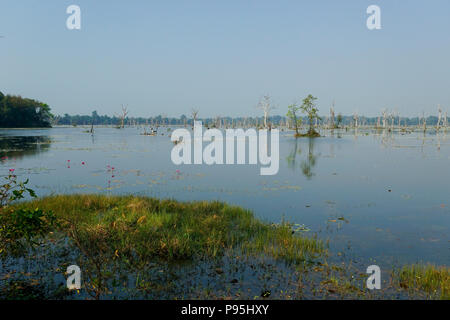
{"x":18,"y":112}
{"x":96,"y":119}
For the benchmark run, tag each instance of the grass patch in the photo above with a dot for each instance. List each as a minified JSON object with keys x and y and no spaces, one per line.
{"x":309,"y":134}
{"x":172,"y":230}
{"x":435,"y":281}
{"x":119,"y":236}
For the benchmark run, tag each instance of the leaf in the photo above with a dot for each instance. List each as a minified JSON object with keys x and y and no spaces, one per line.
{"x":141,"y":219}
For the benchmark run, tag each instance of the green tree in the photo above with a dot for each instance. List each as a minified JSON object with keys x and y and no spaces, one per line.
{"x":309,"y":108}
{"x":16,"y":111}
{"x":292,"y":114}
{"x":339,"y":119}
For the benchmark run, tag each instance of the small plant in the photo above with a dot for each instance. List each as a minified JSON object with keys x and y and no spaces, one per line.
{"x":25,"y":224}
{"x":13,"y":190}
{"x":20,"y":225}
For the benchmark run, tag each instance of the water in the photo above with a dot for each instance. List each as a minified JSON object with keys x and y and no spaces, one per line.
{"x":375,"y":196}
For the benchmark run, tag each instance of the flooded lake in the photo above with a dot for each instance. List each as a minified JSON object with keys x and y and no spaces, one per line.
{"x":376,"y":196}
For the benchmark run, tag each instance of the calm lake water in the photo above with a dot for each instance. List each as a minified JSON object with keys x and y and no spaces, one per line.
{"x":377,"y":197}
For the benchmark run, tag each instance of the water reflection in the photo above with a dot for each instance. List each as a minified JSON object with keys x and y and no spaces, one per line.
{"x":22,"y":146}
{"x":307,"y":164}
{"x":311,"y":160}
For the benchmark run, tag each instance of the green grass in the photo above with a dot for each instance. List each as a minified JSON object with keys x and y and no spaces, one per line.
{"x":171,"y":230}
{"x":435,"y":281}
{"x":120,"y":235}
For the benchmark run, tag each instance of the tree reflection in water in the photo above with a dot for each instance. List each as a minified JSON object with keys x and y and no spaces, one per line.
{"x":307,"y":164}
{"x":22,"y":146}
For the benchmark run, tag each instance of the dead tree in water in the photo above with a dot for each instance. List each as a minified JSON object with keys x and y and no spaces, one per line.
{"x":355,"y":119}
{"x":424,"y":122}
{"x":384,"y":113}
{"x":438,"y":126}
{"x":123,"y":116}
{"x":332,"y":125}
{"x":266,"y":106}
{"x":194,"y":113}
{"x":445,"y":121}
{"x":392,"y":116}
{"x":217,"y":121}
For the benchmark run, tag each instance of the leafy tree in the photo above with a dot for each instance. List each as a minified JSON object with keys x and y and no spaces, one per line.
{"x":309,"y":108}
{"x":16,"y":111}
{"x":339,"y":119}
{"x":292,"y":114}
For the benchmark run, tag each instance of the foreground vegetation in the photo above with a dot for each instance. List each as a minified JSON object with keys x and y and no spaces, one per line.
{"x":430,"y":279}
{"x":139,"y":247}
{"x":130,"y":233}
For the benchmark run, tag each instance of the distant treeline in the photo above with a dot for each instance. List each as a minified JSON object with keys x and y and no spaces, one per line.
{"x":18,"y":112}
{"x":277,"y":120}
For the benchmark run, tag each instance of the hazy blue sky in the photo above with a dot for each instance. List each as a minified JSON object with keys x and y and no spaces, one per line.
{"x":221,"y":56}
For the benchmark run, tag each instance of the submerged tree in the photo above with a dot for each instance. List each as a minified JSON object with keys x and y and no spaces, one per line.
{"x":123,"y":116}
{"x":308,"y":164}
{"x":332,"y":125}
{"x":339,"y":119}
{"x":309,"y":108}
{"x":265,"y":104}
{"x":194,"y":114}
{"x":292,"y":114}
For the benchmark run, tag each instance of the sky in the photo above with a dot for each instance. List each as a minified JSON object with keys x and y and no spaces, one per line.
{"x":220,"y":57}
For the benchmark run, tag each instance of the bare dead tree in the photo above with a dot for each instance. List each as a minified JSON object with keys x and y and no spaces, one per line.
{"x":194,"y":114}
{"x":123,"y":115}
{"x":217,"y":122}
{"x":445,"y":120}
{"x":332,"y":116}
{"x":265,"y":104}
{"x":355,"y":119}
{"x":385,"y":115}
{"x":424,"y":122}
{"x":392,"y":116}
{"x":438,"y":126}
